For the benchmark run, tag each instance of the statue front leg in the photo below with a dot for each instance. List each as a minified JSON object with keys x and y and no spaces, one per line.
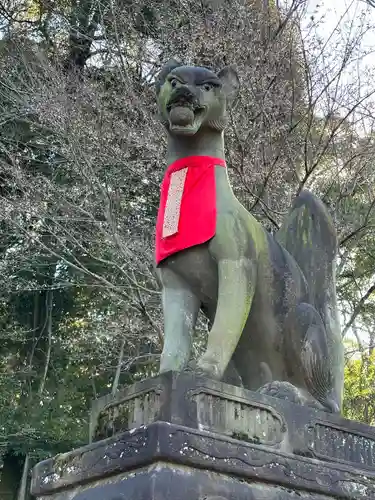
{"x":235,"y":294}
{"x":180,"y":308}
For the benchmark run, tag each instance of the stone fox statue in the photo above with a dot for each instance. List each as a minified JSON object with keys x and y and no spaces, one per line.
{"x":270,"y":299}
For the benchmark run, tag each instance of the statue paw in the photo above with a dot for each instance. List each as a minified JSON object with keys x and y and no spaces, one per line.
{"x":288,"y":392}
{"x":194,"y":367}
{"x":283,"y":390}
{"x":191,"y":367}
{"x":208,"y":368}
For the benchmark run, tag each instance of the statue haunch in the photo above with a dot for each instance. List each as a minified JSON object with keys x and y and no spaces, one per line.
{"x":271,"y":300}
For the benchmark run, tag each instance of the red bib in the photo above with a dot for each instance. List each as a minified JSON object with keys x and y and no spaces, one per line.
{"x":187,"y":210}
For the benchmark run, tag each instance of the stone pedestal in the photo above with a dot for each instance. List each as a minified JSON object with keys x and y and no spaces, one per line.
{"x":186,"y":437}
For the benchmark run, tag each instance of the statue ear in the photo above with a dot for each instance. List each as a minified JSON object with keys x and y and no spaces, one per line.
{"x":231,"y":83}
{"x":164,"y":72}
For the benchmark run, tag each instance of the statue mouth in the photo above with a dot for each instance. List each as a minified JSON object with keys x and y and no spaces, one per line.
{"x":185,"y":115}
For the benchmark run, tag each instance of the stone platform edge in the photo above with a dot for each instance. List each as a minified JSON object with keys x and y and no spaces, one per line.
{"x":233,"y":412}
{"x":165,"y":442}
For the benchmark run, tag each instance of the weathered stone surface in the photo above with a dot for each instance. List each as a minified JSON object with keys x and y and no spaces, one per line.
{"x":196,"y":450}
{"x":163,"y":480}
{"x":334,"y":443}
{"x":199,"y":403}
{"x":204,"y":439}
{"x":270,"y":298}
{"x":239,"y":419}
{"x":136,"y":409}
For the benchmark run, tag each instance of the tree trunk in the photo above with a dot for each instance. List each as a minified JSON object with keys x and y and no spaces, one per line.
{"x":118,"y":368}
{"x":49,"y":307}
{"x":23,"y":492}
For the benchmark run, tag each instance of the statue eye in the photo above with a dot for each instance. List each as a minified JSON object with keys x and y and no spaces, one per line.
{"x":207,"y":86}
{"x":173,"y":83}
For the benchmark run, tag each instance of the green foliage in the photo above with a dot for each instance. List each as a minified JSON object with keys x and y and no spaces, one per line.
{"x":359,"y":395}
{"x":81,"y":159}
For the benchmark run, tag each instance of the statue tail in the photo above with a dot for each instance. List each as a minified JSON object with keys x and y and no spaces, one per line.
{"x":309,"y":235}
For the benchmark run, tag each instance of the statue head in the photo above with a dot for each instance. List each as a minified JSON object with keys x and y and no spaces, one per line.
{"x":194,"y":98}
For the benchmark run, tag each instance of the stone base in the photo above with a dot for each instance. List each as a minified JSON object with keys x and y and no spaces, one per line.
{"x":192,"y":438}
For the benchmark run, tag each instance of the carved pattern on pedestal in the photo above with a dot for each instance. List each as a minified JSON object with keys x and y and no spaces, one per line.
{"x":202,"y":450}
{"x":131,"y":412}
{"x":335,"y":444}
{"x":93,"y":462}
{"x":238,"y":418}
{"x":253,"y":460}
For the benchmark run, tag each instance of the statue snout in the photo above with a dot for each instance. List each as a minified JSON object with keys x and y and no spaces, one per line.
{"x":182,"y":96}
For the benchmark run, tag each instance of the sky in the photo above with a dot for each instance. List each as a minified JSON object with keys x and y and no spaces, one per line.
{"x":342,"y":19}
{"x":336,"y":22}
